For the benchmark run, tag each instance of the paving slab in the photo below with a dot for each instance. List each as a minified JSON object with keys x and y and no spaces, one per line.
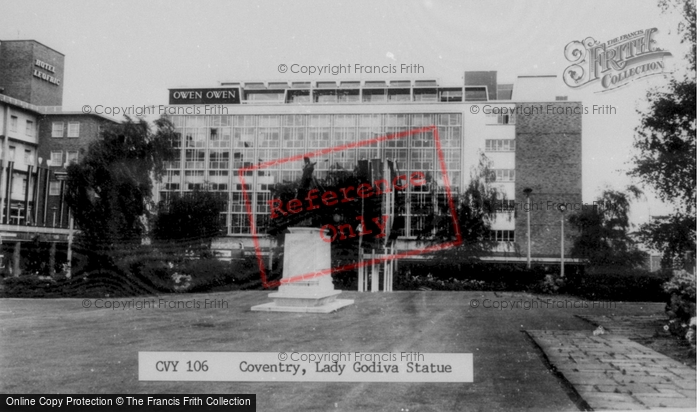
{"x":611,"y":372}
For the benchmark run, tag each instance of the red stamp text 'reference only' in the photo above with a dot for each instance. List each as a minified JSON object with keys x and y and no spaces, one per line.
{"x":369,"y":262}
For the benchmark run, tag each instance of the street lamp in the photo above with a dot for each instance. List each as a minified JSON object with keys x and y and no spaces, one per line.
{"x":527,"y":192}
{"x":562,"y":209}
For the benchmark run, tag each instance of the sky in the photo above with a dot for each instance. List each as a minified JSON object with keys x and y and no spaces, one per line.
{"x":129,"y":53}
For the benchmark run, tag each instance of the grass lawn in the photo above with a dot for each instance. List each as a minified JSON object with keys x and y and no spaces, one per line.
{"x":56,"y":346}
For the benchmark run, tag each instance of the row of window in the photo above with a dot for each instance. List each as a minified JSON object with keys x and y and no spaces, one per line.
{"x":503,"y":118}
{"x":502,"y":235}
{"x":321,"y":120}
{"x":500,"y":145}
{"x":503,"y":175}
{"x":58,"y":128}
{"x":29,"y":126}
{"x":54,"y":187}
{"x":28,"y":155}
{"x":57,"y":157}
{"x":367,"y":95}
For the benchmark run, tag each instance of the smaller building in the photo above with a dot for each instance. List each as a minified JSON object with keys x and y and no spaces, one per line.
{"x":38,"y":139}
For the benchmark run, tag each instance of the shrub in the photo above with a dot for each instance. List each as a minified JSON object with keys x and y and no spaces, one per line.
{"x":681,"y":307}
{"x":620,"y":285}
{"x":406,"y":281}
{"x":205,"y":274}
{"x":469,"y":277}
{"x":29,"y":286}
{"x":551,"y":284}
{"x":472,"y":276}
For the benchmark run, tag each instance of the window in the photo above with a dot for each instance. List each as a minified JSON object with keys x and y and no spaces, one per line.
{"x":29,"y":131}
{"x":72,"y":156}
{"x":13,"y":123}
{"x":55,"y":188}
{"x":500,"y":145}
{"x":28,"y":157}
{"x":24,"y":185}
{"x":503,"y":175}
{"x":506,"y":119}
{"x":56,"y":158}
{"x":73,"y":129}
{"x":195,"y":159}
{"x":502,"y":235}
{"x":12,"y":153}
{"x":57,"y":129}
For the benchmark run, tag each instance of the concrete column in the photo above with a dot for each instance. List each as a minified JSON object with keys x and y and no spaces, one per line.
{"x":375,"y":273}
{"x":15,"y":259}
{"x":52,"y":259}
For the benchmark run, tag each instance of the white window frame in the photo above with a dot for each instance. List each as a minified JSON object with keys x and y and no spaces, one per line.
{"x":54,"y":154}
{"x":73,"y":129}
{"x":506,"y":119}
{"x":74,"y":158}
{"x":29,"y":131}
{"x":13,"y":123}
{"x":55,"y":188}
{"x":57,"y":129}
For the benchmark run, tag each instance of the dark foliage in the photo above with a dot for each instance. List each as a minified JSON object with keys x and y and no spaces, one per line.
{"x":110,"y":189}
{"x":474,"y":209}
{"x":603,"y":239}
{"x":628,"y":285}
{"x":186,"y":224}
{"x":666,"y":148}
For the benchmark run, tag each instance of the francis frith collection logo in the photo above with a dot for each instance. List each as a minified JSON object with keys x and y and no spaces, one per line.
{"x":614,"y":63}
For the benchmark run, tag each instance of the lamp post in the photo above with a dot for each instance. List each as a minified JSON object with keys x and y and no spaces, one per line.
{"x":527,"y":192}
{"x":562,"y":209}
{"x":62,"y":176}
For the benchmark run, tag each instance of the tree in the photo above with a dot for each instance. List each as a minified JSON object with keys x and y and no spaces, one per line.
{"x":186,"y":224}
{"x":475,"y":208}
{"x":110,"y":188}
{"x":666,"y":146}
{"x":674,"y":235}
{"x":604,"y":239}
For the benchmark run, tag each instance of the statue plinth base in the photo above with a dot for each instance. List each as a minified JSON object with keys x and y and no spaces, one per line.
{"x":305,"y":253}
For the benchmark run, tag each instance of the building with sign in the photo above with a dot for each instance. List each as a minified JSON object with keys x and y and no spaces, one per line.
{"x":38,"y":138}
{"x":531,"y":136}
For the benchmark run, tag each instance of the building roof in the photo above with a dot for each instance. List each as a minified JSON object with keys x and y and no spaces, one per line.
{"x":32,"y":40}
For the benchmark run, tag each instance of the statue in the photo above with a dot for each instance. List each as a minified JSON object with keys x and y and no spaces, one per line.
{"x":307,"y":179}
{"x":306,"y":284}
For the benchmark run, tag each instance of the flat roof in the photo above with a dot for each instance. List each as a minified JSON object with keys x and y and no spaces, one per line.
{"x":32,"y":40}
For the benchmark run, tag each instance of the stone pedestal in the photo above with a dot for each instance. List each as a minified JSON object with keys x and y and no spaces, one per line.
{"x":305,"y":253}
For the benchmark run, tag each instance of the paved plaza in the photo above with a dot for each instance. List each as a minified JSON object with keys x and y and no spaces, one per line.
{"x":540,"y":359}
{"x":614,"y":372}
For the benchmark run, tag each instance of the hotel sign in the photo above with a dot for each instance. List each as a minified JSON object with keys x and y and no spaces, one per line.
{"x":205,"y":96}
{"x":45,"y":76}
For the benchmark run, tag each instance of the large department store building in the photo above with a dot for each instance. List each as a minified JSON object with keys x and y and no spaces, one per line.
{"x":531,"y":136}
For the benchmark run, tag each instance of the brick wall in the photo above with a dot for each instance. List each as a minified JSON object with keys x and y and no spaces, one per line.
{"x":17,"y":66}
{"x":548,"y":161}
{"x":89,"y":131}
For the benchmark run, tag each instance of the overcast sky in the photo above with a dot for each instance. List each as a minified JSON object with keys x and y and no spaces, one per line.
{"x":124,"y":53}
